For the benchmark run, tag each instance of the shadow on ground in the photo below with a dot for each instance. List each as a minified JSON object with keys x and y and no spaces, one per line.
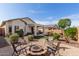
{"x":3,"y":42}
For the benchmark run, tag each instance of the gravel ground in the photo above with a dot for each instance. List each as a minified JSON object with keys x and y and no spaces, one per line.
{"x":69,"y":51}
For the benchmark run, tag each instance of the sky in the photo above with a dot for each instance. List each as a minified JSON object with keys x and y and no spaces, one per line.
{"x":42,"y":13}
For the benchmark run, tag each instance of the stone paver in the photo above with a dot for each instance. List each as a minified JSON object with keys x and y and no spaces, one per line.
{"x":69,"y":50}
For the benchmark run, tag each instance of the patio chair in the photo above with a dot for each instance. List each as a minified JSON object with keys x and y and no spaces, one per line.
{"x":18,"y":50}
{"x":54,"y":50}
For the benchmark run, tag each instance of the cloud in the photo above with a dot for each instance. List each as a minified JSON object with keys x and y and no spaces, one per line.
{"x":35,"y":11}
{"x":42,"y":22}
{"x":46,"y":21}
{"x":50,"y":18}
{"x":74,"y":18}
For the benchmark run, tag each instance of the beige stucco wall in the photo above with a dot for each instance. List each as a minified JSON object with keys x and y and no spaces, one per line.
{"x":19,"y":23}
{"x":28,"y":29}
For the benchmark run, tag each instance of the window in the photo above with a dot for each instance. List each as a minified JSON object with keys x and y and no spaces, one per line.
{"x":10,"y":29}
{"x":16,"y":28}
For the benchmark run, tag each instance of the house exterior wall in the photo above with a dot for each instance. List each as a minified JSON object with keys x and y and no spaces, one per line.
{"x":18,"y":23}
{"x":28,"y":28}
{"x":14,"y":23}
{"x":26,"y":24}
{"x":6,"y":28}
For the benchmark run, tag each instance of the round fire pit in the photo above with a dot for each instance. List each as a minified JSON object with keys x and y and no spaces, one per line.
{"x":36,"y":50}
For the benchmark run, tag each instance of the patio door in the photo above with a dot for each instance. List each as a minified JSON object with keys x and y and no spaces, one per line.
{"x":32,"y":30}
{"x":10,"y":29}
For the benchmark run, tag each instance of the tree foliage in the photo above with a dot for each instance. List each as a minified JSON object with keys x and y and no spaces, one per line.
{"x":63,"y":23}
{"x":71,"y":32}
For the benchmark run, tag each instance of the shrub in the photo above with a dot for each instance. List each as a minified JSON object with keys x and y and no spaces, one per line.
{"x":14,"y":38}
{"x":30,"y":37}
{"x":38,"y":37}
{"x":71,"y":32}
{"x":29,"y":33}
{"x":20,"y":32}
{"x":56,"y":36}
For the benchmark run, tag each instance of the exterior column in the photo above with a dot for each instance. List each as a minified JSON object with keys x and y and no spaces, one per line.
{"x":6,"y":29}
{"x":35,"y":30}
{"x":13,"y":30}
{"x":26,"y":30}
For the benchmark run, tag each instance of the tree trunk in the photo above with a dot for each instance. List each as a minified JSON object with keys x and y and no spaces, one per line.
{"x":66,"y":38}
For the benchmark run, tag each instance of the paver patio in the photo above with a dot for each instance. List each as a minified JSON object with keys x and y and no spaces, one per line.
{"x":69,"y":50}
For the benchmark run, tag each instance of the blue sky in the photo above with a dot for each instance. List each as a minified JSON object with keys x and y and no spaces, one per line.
{"x":42,"y":13}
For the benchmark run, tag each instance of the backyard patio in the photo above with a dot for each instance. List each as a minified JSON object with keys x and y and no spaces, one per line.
{"x":40,"y":48}
{"x":58,"y":40}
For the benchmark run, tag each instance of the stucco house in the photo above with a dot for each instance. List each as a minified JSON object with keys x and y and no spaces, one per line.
{"x":26,"y":23}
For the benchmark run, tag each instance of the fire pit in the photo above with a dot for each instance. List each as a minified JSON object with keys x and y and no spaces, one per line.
{"x":36,"y":50}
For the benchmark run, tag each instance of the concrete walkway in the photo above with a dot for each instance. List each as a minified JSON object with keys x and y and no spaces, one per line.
{"x":5,"y":48}
{"x":3,"y":42}
{"x":6,"y":51}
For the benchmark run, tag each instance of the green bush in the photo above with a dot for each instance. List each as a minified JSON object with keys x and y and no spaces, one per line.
{"x":29,"y":33}
{"x":20,"y":32}
{"x":14,"y":38}
{"x":71,"y":32}
{"x":30,"y":37}
{"x":56,"y":36}
{"x":38,"y":37}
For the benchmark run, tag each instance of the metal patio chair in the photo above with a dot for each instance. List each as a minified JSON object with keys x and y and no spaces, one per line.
{"x":18,"y":50}
{"x":55,"y":50}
